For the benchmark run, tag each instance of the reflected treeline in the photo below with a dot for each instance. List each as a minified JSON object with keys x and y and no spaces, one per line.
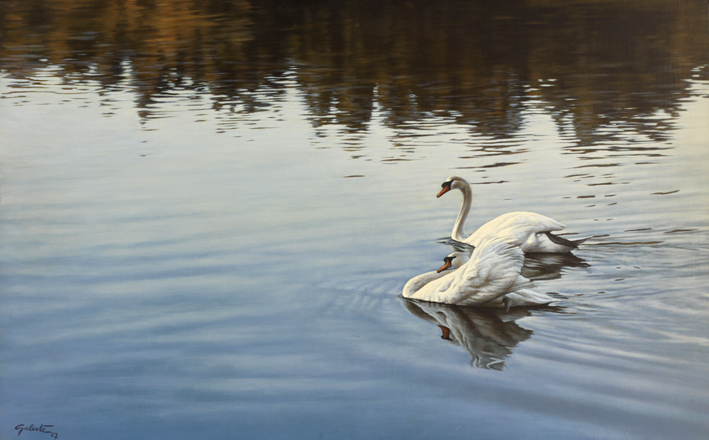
{"x":473,"y":62}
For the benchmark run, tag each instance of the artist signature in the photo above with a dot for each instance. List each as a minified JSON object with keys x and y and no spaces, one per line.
{"x":42,"y":428}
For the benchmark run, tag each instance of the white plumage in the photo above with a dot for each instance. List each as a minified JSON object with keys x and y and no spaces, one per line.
{"x":492,"y":272}
{"x":530,"y":231}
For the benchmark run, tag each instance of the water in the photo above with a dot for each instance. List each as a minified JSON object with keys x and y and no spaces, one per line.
{"x":208,"y":212}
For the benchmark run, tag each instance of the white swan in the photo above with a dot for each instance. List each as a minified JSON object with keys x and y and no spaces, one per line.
{"x":532,"y":232}
{"x":491,"y":278}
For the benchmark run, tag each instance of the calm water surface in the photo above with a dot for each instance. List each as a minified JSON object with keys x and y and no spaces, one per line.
{"x":208,"y":211}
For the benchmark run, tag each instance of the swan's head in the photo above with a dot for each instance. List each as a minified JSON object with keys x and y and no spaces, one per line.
{"x":454,"y":261}
{"x":453,"y":182}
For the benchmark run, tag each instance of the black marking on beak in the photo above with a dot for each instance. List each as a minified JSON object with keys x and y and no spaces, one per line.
{"x":446,"y":186}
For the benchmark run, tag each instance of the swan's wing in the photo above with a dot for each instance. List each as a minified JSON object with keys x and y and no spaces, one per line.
{"x":540,"y":223}
{"x":515,"y":226}
{"x":522,"y":298}
{"x":528,"y":297}
{"x":493,"y":270}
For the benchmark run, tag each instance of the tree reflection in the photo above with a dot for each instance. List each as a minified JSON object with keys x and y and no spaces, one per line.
{"x":593,"y":65}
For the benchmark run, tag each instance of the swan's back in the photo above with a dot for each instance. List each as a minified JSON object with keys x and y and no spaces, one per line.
{"x":515,"y":227}
{"x":493,"y":271}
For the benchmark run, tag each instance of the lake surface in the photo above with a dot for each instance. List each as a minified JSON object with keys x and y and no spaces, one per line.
{"x":208,"y":211}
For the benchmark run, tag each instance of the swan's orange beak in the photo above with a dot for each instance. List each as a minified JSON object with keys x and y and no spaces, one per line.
{"x":446,"y":332}
{"x":445,"y":266}
{"x":446,"y":187}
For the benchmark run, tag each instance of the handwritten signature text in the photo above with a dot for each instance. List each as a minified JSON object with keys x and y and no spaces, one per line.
{"x":42,"y":428}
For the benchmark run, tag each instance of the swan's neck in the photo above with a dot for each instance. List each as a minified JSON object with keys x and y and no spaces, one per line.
{"x":416,"y":283}
{"x":459,"y":227}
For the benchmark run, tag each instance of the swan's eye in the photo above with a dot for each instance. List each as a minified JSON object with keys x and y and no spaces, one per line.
{"x":446,"y":185}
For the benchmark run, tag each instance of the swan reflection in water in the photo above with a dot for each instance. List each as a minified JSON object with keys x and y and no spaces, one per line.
{"x":539,"y":267}
{"x":488,"y":335}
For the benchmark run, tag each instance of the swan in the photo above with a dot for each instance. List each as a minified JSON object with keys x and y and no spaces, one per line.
{"x":491,"y":278}
{"x":531,"y":231}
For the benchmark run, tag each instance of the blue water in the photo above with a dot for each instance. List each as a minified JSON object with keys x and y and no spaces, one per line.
{"x":199,"y":271}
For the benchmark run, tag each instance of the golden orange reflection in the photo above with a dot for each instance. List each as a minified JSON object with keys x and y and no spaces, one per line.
{"x":474,"y":62}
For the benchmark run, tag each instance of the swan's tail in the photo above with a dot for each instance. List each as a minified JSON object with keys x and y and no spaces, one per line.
{"x":573,"y":244}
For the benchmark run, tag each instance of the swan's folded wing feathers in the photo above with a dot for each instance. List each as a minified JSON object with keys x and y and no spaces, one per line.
{"x":543,"y":222}
{"x":516,"y":226}
{"x":493,"y":270}
{"x":521,"y":283}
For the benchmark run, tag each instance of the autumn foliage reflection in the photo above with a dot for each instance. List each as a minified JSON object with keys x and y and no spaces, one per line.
{"x":474,"y":62}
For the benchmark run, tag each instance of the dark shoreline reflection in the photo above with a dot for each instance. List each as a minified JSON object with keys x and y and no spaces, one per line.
{"x":488,"y":335}
{"x":618,"y":66}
